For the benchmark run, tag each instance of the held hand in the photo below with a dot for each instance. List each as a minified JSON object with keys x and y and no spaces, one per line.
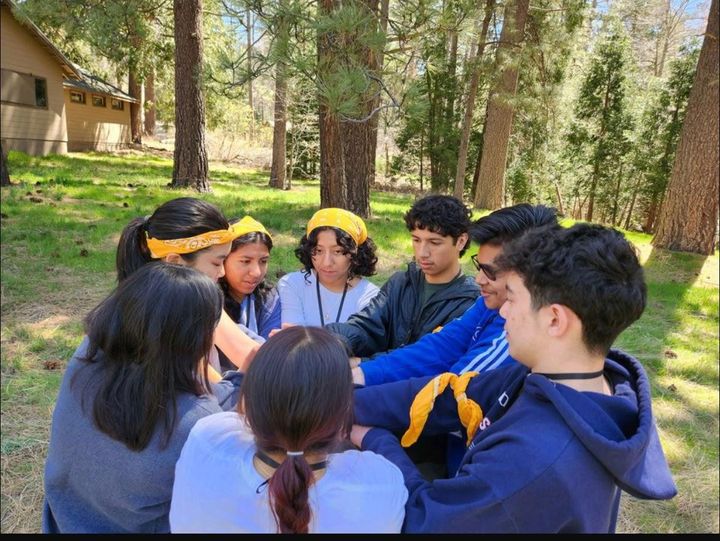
{"x":283,"y":326}
{"x":358,"y":433}
{"x":354,"y":362}
{"x":358,"y":376}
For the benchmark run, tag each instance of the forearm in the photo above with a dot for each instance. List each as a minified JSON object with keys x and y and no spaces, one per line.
{"x":236,"y":345}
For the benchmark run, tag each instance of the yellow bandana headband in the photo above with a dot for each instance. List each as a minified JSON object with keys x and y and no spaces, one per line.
{"x":342,"y":219}
{"x":160,"y":248}
{"x":248,"y":225}
{"x":469,"y":411}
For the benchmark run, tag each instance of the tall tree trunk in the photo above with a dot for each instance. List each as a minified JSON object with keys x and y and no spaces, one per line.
{"x":278,"y":169}
{"x":474,"y":64}
{"x":251,"y":104}
{"x":347,"y":146}
{"x":190,"y":165}
{"x":135,"y":90}
{"x":150,"y":107}
{"x":4,"y":171}
{"x":500,"y":113}
{"x":689,"y":216}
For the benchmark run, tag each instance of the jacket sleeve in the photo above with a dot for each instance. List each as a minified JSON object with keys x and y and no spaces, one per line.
{"x":465,"y":503}
{"x":366,"y":331}
{"x":227,"y":390}
{"x":271,"y":314}
{"x":431,"y":355}
{"x":388,"y":406}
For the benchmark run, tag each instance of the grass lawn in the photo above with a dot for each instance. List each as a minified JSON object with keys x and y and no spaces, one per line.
{"x":60,"y":225}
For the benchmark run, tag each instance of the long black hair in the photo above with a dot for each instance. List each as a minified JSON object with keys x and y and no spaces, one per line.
{"x":175,"y":219}
{"x":362,"y":258}
{"x":150,"y":336}
{"x":297,"y":396}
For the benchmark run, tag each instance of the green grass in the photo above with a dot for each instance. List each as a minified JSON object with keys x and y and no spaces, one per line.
{"x":60,"y":225}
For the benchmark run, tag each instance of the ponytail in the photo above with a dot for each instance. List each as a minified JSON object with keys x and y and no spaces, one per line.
{"x":289,"y":487}
{"x":132,"y":251}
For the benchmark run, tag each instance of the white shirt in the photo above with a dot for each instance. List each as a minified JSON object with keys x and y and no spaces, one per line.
{"x":299,"y":302}
{"x":218,"y":490}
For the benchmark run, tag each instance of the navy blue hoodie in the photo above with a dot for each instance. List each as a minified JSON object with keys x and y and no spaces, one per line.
{"x":547,"y":458}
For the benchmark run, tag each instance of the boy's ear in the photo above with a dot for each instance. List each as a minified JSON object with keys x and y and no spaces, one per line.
{"x":462,"y":241}
{"x":173,"y":258}
{"x":559,"y":320}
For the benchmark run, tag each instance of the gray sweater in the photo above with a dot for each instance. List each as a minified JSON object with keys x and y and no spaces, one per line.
{"x":95,"y":484}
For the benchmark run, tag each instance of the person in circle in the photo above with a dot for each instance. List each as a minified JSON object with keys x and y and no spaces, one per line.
{"x":194,"y":233}
{"x":132,"y":391}
{"x":249,"y":300}
{"x":277,"y":464}
{"x":337,"y":256}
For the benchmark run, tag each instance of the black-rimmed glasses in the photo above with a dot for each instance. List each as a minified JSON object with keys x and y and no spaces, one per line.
{"x":489,"y":270}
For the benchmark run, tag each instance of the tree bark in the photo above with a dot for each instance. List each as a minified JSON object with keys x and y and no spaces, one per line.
{"x":251,"y":103}
{"x":278,"y":176}
{"x":190,"y":167}
{"x":474,"y":64}
{"x":150,"y":109}
{"x":500,"y":113}
{"x":689,"y":215}
{"x":4,"y":171}
{"x":135,"y":90}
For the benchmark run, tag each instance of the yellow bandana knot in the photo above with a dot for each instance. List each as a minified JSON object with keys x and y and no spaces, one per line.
{"x":342,"y":219}
{"x":248,"y":225}
{"x":469,"y":411}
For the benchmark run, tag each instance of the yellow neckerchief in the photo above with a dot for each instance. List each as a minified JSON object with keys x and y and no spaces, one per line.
{"x":342,"y":219}
{"x":159,"y":248}
{"x":248,"y":225}
{"x":469,"y":411}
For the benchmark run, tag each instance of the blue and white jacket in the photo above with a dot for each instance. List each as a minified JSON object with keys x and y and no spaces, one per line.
{"x":475,"y":341}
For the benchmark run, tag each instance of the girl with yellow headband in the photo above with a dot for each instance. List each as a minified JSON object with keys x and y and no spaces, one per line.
{"x":194,"y":233}
{"x":252,"y":303}
{"x":336,"y":254}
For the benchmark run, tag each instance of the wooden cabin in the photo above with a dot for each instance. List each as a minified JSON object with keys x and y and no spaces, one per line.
{"x":47,"y":103}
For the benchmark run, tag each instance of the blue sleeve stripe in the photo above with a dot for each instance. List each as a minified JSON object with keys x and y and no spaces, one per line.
{"x":489,"y":358}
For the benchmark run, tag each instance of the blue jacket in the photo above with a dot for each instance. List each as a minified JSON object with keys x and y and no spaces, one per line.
{"x":475,"y":341}
{"x":547,"y":458}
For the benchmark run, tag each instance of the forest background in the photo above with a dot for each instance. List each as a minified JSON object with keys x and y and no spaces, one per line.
{"x":607,"y":110}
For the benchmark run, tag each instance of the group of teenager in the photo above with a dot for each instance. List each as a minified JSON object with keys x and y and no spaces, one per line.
{"x":203,"y":399}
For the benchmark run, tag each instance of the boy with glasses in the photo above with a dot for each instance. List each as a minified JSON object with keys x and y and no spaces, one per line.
{"x":475,"y":341}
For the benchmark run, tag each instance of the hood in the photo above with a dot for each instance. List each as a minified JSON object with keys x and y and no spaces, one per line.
{"x":618,"y":430}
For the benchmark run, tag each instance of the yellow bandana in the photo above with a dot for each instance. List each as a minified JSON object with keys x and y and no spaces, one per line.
{"x":160,"y":248}
{"x":469,"y":411}
{"x":342,"y":219}
{"x":248,"y":225}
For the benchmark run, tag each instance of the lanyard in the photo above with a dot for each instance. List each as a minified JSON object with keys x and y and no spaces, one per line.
{"x":342,"y":301}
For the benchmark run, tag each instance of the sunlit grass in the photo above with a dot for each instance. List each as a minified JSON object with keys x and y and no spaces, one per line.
{"x":60,"y":225}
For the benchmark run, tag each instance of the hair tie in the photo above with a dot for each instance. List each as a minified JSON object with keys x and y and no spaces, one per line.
{"x":294,"y":453}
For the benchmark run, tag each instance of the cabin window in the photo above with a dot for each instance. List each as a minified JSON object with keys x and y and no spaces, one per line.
{"x":23,"y":89}
{"x":98,"y":101}
{"x":77,"y":97}
{"x":118,"y":105}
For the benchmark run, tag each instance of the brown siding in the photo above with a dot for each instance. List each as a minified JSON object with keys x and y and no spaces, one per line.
{"x":27,"y":128}
{"x":96,"y":128}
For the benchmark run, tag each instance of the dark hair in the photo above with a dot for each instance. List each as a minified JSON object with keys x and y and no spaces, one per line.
{"x":442,"y":214}
{"x":591,"y":269}
{"x":232,"y":307}
{"x":150,"y":334}
{"x":175,"y":219}
{"x":362,"y":259}
{"x":508,"y":223}
{"x":297,"y":395}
